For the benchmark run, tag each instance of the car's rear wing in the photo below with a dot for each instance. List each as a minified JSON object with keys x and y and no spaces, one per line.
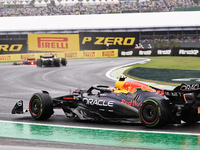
{"x":186,"y":88}
{"x":31,"y":59}
{"x":47,"y":56}
{"x":184,"y":92}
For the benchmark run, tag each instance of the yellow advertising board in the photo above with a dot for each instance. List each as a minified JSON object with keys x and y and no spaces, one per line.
{"x":100,"y":53}
{"x":68,"y":55}
{"x":5,"y":58}
{"x":53,"y":42}
{"x":92,"y":54}
{"x":109,"y":53}
{"x":73,"y":55}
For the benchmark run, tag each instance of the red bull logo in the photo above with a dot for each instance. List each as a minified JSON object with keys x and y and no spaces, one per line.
{"x":133,"y":86}
{"x":131,"y":103}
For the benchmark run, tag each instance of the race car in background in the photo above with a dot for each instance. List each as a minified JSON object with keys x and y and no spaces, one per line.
{"x":127,"y":101}
{"x":50,"y":60}
{"x":29,"y":61}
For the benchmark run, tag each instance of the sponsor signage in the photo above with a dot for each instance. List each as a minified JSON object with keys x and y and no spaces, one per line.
{"x":13,"y":46}
{"x":98,"y":102}
{"x":186,"y":51}
{"x":53,"y":42}
{"x":145,"y":52}
{"x":164,"y":52}
{"x":160,"y":52}
{"x":27,"y":56}
{"x":186,"y":87}
{"x":89,"y":54}
{"x":108,"y":40}
{"x":108,"y":53}
{"x":131,"y":103}
{"x":135,"y":52}
{"x":5,"y":58}
{"x":126,"y":53}
{"x":71,"y":55}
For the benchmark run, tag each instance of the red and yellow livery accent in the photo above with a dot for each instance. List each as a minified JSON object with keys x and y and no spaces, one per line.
{"x":132,"y":86}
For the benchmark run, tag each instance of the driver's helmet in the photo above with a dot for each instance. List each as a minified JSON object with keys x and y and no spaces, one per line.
{"x":112,"y":89}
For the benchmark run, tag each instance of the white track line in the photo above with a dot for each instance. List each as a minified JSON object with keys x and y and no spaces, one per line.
{"x":92,"y":128}
{"x":110,"y":71}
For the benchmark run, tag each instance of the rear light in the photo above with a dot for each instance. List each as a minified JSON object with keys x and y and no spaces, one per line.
{"x":76,"y":91}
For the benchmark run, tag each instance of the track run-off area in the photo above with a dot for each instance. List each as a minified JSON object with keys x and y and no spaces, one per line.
{"x":23,"y":132}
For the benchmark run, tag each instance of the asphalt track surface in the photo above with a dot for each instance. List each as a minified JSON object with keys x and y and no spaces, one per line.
{"x":20,"y":82}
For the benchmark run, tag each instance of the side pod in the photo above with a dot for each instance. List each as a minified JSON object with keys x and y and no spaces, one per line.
{"x":18,"y":108}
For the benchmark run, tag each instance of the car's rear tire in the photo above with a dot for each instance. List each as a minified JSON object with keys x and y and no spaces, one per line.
{"x":154,"y":113}
{"x":63,"y":61}
{"x":57,"y":62}
{"x":190,"y":116}
{"x":41,"y":106}
{"x":39,"y":62}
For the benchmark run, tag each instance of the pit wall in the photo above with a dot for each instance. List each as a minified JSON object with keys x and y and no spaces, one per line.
{"x":69,"y":55}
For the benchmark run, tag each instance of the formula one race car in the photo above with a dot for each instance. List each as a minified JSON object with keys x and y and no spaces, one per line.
{"x":29,"y":61}
{"x":128,"y":100}
{"x":50,"y":60}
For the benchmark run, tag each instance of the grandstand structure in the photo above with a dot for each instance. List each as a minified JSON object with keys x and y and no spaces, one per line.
{"x":45,"y":3}
{"x":184,"y":27}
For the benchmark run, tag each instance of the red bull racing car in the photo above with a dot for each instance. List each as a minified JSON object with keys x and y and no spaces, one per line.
{"x":128,"y":100}
{"x":29,"y":61}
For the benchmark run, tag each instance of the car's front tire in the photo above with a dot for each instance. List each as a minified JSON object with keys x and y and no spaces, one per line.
{"x":41,"y":106}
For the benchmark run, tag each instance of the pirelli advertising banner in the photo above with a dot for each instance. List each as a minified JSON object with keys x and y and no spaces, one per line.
{"x":13,"y":46}
{"x":68,"y":55}
{"x":108,"y":40}
{"x":93,"y":54}
{"x":53,"y":42}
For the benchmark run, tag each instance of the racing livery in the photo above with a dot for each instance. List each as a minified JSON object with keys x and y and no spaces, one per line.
{"x":50,"y":60}
{"x":127,"y":101}
{"x":29,"y":61}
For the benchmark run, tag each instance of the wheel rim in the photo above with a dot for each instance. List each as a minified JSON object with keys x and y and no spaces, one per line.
{"x":149,"y":113}
{"x":35,"y":106}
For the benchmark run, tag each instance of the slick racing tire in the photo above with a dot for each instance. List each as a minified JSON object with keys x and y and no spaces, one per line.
{"x":15,"y":63}
{"x":39,"y":62}
{"x":57,"y":62}
{"x":64,"y":61}
{"x":154,"y":113}
{"x":41,"y":106}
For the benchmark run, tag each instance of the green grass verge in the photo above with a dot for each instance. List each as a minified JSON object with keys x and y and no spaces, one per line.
{"x":167,"y":64}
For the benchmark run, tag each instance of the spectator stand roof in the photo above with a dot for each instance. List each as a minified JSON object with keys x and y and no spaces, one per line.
{"x":96,"y":22}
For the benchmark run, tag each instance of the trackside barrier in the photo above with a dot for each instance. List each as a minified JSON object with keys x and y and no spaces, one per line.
{"x":176,"y":51}
{"x":68,"y":55}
